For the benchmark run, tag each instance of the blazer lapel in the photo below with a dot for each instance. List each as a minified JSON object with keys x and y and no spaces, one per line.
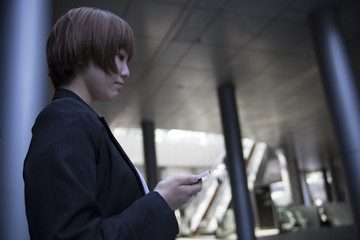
{"x":122,"y":152}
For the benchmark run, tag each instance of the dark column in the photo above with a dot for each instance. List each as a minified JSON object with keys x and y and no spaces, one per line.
{"x":327,"y":185}
{"x":24,"y":91}
{"x":293,"y":168}
{"x":337,"y":196}
{"x":235,"y":163}
{"x":262,"y":168}
{"x":150,"y":154}
{"x":342,"y":94}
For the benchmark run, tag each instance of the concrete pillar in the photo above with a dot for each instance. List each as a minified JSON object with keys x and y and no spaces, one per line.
{"x":297,"y":191}
{"x":305,"y":189}
{"x":337,"y":196}
{"x":235,"y":163}
{"x":24,"y":91}
{"x":342,"y":95}
{"x":286,"y":177}
{"x":327,"y":184}
{"x":150,"y":154}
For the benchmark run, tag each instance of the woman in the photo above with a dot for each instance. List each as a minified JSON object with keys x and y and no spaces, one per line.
{"x":79,"y":183}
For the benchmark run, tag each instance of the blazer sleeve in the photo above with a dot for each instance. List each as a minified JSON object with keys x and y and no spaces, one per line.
{"x":60,"y":186}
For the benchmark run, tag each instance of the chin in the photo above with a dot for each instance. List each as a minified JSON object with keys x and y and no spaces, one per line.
{"x":113,"y":98}
{"x":109,"y":98}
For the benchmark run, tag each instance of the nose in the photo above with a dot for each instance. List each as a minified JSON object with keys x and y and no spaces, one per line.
{"x":125,"y":73}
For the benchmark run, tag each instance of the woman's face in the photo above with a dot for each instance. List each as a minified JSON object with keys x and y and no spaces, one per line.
{"x":102,"y":86}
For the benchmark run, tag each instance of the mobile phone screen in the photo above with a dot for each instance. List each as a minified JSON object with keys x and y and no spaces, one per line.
{"x":202,"y":175}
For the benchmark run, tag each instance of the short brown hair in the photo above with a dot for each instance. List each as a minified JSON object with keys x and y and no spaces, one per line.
{"x":85,"y":34}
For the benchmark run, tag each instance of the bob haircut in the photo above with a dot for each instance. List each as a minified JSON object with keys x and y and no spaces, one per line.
{"x":86,"y":34}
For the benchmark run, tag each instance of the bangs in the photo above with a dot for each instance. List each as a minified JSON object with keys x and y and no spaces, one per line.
{"x":123,"y":38}
{"x":111,"y":33}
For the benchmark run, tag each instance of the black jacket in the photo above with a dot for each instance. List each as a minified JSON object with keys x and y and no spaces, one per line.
{"x":80,"y":184}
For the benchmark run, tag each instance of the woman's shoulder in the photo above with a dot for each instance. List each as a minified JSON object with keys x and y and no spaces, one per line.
{"x":69,"y":106}
{"x":67,"y":111}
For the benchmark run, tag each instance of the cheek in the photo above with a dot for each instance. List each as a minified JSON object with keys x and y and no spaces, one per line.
{"x":117,"y":63}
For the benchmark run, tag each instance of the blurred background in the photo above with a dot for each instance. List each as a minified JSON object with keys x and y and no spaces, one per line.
{"x":283,"y":65}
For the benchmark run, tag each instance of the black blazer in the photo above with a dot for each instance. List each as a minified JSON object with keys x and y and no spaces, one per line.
{"x":80,"y":184}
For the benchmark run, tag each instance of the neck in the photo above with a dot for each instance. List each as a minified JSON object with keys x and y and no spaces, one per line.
{"x":77,"y":86}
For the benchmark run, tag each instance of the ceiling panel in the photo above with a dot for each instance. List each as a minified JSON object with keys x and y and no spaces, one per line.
{"x":173,"y":54}
{"x":252,"y":61}
{"x":187,"y":77}
{"x":207,"y":57}
{"x":259,"y":7}
{"x":153,"y":75}
{"x":293,"y":16}
{"x":144,"y":49}
{"x":304,"y":49}
{"x":185,"y":49}
{"x":309,"y":5}
{"x":152,"y":18}
{"x":197,"y":21}
{"x":280,"y":36}
{"x":289,"y":65}
{"x":231,"y":28}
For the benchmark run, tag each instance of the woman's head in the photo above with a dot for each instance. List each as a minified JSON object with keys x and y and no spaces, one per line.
{"x":86,"y":34}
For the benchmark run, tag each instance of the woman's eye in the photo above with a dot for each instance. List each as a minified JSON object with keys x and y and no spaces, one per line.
{"x":121,"y":57}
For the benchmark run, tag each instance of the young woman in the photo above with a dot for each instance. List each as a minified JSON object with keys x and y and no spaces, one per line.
{"x":79,"y":183}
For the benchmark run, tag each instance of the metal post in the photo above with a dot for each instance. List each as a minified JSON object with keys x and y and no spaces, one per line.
{"x":338,"y":197}
{"x":150,"y":154}
{"x":24,"y":91}
{"x":342,"y":94}
{"x":235,"y":163}
{"x":297,"y":191}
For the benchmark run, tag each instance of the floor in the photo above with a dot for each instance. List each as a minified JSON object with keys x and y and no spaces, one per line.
{"x":337,"y":233}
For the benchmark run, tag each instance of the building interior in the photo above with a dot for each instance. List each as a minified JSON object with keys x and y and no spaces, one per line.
{"x":185,"y":50}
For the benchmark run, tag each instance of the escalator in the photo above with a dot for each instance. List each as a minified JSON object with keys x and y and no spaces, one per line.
{"x":210,"y":211}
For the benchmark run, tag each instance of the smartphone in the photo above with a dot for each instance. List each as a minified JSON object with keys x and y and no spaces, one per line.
{"x":204,"y":174}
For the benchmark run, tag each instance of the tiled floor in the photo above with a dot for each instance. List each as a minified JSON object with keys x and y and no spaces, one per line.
{"x":337,"y":233}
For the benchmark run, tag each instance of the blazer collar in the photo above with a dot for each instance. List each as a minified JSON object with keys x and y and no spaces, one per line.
{"x":65,"y":93}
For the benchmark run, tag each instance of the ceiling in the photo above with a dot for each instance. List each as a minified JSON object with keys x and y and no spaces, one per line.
{"x":185,"y":49}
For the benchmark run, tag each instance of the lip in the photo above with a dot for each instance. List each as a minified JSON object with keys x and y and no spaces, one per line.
{"x":119,"y":85}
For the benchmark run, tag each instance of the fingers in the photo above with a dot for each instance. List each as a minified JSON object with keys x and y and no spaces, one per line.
{"x":178,"y":190}
{"x":187,"y":180}
{"x":195,"y":187}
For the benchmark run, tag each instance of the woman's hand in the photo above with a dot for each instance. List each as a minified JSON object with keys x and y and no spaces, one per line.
{"x":178,"y":190}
